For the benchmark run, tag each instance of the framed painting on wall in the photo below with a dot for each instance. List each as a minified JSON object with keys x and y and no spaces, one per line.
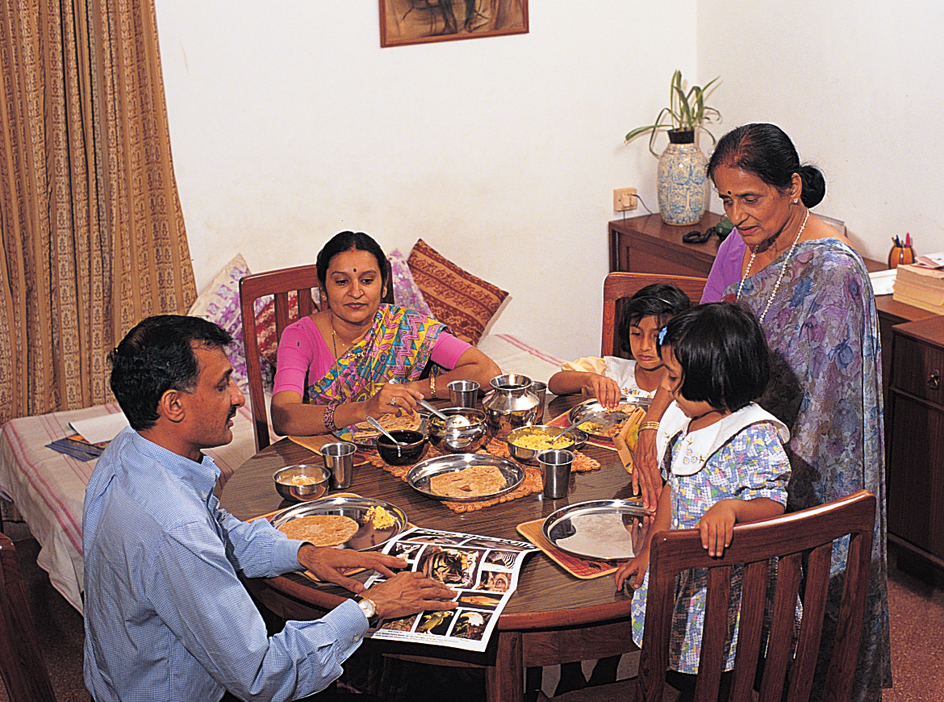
{"x":423,"y":21}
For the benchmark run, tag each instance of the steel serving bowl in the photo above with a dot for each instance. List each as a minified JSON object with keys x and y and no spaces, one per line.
{"x":459,"y":439}
{"x":538,"y":431}
{"x":301,"y":482}
{"x":402,"y":455}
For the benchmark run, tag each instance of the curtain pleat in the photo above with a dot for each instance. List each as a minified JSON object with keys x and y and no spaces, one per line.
{"x":92,"y":231}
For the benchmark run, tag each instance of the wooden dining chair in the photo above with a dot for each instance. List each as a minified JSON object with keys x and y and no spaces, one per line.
{"x":278,"y":284}
{"x":620,"y":285}
{"x":802,"y":541}
{"x":21,"y":664}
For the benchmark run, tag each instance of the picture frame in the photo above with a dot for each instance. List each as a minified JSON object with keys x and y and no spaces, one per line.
{"x":405,"y":22}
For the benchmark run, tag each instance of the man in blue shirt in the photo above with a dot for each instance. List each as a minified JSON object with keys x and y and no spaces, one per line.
{"x":166,"y":617}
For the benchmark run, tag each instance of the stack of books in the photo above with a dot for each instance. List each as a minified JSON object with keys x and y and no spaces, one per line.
{"x":921,"y":284}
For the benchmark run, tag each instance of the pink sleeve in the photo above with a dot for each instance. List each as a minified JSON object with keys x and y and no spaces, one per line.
{"x":301,"y":351}
{"x":448,"y":349}
{"x":726,"y":268}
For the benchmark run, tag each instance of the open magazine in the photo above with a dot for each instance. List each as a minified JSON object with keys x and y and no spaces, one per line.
{"x":482,"y":570}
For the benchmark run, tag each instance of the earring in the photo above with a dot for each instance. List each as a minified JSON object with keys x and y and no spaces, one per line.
{"x":796,"y":201}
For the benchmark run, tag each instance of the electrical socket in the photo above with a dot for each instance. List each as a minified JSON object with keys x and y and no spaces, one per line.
{"x":624,"y":199}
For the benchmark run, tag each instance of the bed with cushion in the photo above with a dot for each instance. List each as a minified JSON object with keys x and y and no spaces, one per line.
{"x":47,"y":488}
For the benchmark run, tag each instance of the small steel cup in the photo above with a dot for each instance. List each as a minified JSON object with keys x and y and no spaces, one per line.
{"x":539,"y":389}
{"x":462,"y":393}
{"x":339,"y":460}
{"x":555,"y":470}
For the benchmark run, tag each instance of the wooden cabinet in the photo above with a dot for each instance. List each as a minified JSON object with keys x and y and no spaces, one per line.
{"x":648,"y":245}
{"x":915,"y":430}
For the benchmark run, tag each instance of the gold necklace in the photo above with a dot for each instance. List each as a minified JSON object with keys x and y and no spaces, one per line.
{"x":334,"y":339}
{"x":783,"y":269}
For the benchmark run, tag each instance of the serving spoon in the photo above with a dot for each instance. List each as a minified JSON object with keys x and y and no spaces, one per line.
{"x":604,"y":418}
{"x":455,"y":422}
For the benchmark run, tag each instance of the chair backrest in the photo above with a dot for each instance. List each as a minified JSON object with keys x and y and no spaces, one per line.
{"x":278,"y":283}
{"x":802,"y":541}
{"x":618,"y":286}
{"x":21,"y":663}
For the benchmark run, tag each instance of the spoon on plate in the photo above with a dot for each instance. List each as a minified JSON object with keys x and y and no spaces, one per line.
{"x":376,"y":425}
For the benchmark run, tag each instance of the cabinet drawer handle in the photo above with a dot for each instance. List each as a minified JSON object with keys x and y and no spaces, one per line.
{"x":934,"y":381}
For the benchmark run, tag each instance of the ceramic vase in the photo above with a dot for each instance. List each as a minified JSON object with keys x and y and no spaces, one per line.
{"x":683,"y":183}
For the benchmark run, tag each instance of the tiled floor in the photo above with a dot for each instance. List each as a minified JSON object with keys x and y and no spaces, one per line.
{"x":916,"y":609}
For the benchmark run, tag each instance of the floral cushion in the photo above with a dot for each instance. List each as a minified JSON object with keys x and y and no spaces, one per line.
{"x":459,"y":299}
{"x":406,"y":293}
{"x":219,"y":302}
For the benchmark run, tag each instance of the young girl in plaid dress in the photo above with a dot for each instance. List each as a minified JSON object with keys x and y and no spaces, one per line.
{"x":722,"y":457}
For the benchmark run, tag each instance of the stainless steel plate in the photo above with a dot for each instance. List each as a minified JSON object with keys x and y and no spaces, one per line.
{"x":590,"y":407}
{"x":600,"y":529}
{"x":367,"y":537}
{"x":420,"y":474}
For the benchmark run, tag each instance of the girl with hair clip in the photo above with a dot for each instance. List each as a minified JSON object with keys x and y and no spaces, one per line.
{"x":607,"y":379}
{"x":722,"y":457}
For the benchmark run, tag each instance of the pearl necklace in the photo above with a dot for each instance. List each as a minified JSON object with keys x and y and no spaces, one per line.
{"x":783,"y":269}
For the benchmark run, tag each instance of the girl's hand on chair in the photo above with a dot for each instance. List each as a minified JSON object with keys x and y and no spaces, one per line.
{"x":717,"y":527}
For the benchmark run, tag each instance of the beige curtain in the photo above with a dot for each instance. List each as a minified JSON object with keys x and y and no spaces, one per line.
{"x":90,"y":221}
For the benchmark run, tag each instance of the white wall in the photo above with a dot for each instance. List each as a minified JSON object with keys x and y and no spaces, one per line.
{"x":290,"y":123}
{"x":858,"y":87}
{"x":503,"y":152}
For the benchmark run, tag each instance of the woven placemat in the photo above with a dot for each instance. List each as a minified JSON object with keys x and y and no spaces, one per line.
{"x":531,"y":484}
{"x":316,"y":442}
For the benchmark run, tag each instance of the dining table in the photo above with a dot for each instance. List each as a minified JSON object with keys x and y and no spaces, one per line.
{"x":553,"y":616}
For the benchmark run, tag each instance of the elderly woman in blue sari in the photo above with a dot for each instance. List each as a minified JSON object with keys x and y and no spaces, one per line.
{"x":360,"y":356}
{"x":812,"y":295}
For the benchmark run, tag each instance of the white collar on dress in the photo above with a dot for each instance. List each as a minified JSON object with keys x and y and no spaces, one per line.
{"x":698,"y":446}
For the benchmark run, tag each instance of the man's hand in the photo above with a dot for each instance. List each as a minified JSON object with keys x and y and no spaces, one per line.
{"x":409,"y":593}
{"x":329,"y":564}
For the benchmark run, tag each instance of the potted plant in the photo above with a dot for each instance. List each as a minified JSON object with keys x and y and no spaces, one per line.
{"x":683,"y":186}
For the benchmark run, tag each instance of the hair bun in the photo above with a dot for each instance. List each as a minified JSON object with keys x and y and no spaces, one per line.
{"x":814,"y":185}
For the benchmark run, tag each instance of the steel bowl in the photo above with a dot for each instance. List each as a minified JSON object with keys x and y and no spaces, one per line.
{"x":402,"y":455}
{"x":301,"y":482}
{"x":459,"y":439}
{"x":529,"y":455}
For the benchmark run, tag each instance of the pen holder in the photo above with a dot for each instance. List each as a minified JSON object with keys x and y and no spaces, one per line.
{"x":900,"y":255}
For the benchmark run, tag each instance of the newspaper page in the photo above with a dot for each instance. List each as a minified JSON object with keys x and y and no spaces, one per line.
{"x":482,"y":570}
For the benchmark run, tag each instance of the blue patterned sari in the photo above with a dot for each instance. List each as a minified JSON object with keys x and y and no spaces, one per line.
{"x":822,"y":328}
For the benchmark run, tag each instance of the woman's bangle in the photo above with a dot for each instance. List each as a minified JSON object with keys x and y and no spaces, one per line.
{"x":432,"y":387}
{"x":329,"y":418}
{"x":649,"y":425}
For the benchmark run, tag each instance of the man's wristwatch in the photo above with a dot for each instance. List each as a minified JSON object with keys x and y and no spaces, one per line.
{"x":370,"y":611}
